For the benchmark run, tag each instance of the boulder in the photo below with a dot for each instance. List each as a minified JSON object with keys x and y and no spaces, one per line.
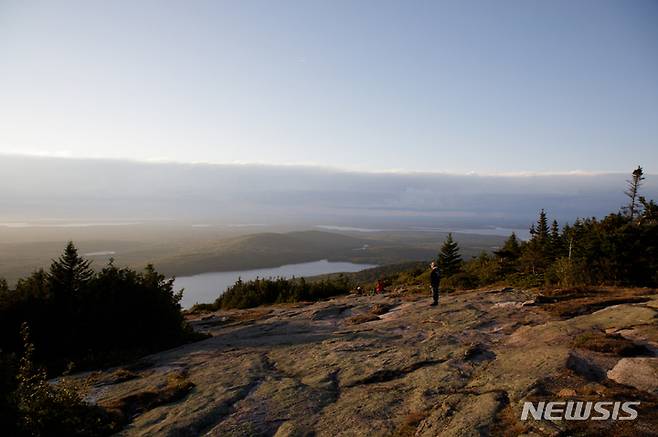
{"x":641,"y":373}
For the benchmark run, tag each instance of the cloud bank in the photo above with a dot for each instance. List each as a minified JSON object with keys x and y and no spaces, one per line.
{"x":34,"y":188}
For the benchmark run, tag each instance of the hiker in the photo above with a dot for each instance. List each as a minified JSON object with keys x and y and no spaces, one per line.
{"x":435,"y":279}
{"x":379,"y":288}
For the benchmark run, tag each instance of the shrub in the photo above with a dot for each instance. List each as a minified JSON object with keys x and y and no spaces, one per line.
{"x":263,"y":291}
{"x":485,"y":268}
{"x":525,"y":280}
{"x":44,"y":409}
{"x":424,"y":277}
{"x":565,"y":273}
{"x":459,"y":281}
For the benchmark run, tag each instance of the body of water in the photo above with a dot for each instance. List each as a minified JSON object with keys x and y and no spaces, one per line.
{"x":206,"y":287}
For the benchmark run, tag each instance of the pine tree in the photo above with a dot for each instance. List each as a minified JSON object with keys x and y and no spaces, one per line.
{"x":650,"y":211}
{"x":450,"y":260}
{"x":632,"y":191}
{"x":555,"y":240}
{"x":69,"y":273}
{"x":36,"y":285}
{"x":536,"y":254}
{"x":541,"y":232}
{"x":511,"y":250}
{"x":567,"y":237}
{"x":509,"y":254}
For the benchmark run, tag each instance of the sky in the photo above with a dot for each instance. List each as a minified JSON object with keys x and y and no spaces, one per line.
{"x":428,"y":86}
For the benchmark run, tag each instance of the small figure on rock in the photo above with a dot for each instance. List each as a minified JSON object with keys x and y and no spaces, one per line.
{"x":379,"y":288}
{"x":435,"y":279}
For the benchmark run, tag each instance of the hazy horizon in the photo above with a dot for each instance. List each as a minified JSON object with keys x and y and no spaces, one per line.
{"x":83,"y":189}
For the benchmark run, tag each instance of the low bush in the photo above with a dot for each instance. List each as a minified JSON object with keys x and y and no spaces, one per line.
{"x":263,"y":291}
{"x":459,"y":281}
{"x":32,"y":406}
{"x":565,"y":273}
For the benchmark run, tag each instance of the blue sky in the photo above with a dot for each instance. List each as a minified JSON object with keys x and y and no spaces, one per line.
{"x":463,"y":86}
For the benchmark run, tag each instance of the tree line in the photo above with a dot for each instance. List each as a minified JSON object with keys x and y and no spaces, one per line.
{"x":72,"y":317}
{"x":619,"y":249}
{"x":267,"y":291}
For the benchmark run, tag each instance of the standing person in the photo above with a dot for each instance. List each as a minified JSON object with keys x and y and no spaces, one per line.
{"x":379,"y":288}
{"x":435,"y":279}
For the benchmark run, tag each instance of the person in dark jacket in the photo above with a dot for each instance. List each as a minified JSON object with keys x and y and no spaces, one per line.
{"x":435,"y":279}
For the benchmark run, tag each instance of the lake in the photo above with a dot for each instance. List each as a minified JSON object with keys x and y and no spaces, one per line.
{"x":206,"y":287}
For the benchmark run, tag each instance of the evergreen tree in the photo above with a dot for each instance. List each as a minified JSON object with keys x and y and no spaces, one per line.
{"x":4,"y":296}
{"x":632,"y":190}
{"x":567,"y":237}
{"x":650,"y":211}
{"x":509,"y":254}
{"x":555,"y":240}
{"x":541,"y":232}
{"x":34,"y":286}
{"x":511,"y":250}
{"x":535,"y":254}
{"x":555,"y":231}
{"x":450,"y":260}
{"x":69,"y":273}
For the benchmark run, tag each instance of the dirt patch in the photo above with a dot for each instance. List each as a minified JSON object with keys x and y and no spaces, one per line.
{"x":333,"y":312}
{"x":478,"y":353}
{"x":410,"y":424}
{"x":380,"y":308}
{"x":391,"y":374}
{"x":571,"y":303}
{"x":118,"y":376}
{"x":361,"y":318}
{"x":415,"y":296}
{"x":590,"y":365}
{"x":212,"y":322}
{"x":508,"y":424}
{"x":255,"y":314}
{"x":613,"y":344}
{"x":176,"y":387}
{"x":588,"y":307}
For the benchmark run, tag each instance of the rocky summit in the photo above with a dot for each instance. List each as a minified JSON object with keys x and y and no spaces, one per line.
{"x":392,"y":365}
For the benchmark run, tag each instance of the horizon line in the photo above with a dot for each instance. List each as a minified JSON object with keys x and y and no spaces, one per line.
{"x":315,"y":165}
